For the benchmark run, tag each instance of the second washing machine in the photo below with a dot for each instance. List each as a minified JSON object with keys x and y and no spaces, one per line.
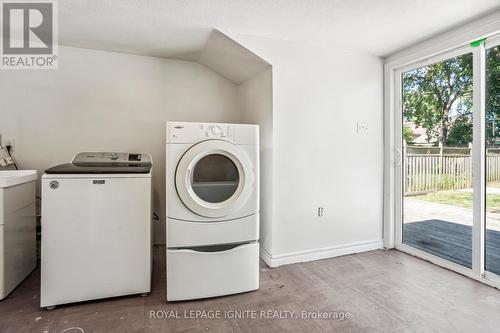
{"x":212,"y":186}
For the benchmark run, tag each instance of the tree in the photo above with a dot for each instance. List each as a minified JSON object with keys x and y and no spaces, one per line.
{"x":460,"y":131}
{"x":492,"y":94}
{"x":407,"y":134}
{"x":430,"y":93}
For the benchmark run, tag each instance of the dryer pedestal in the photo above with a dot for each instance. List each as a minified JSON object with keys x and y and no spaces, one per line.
{"x":202,"y":273}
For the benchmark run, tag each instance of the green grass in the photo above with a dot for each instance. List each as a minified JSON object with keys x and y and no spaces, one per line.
{"x":461,"y":199}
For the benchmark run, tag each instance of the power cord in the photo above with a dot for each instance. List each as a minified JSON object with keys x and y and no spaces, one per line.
{"x":9,"y":148}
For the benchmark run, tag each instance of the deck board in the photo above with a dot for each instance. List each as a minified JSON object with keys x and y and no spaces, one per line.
{"x":451,"y":241}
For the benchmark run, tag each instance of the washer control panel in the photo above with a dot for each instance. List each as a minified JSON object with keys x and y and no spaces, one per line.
{"x":99,"y":158}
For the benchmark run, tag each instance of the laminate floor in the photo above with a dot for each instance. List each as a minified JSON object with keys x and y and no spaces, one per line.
{"x":379,"y":291}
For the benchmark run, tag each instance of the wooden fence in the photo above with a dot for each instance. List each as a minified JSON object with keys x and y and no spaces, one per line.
{"x":428,"y":169}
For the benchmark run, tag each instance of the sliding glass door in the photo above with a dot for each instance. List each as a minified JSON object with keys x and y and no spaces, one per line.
{"x":447,"y":159}
{"x":437,"y":134}
{"x":492,"y":101}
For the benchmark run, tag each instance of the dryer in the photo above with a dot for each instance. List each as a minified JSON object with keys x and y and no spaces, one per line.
{"x":212,"y":186}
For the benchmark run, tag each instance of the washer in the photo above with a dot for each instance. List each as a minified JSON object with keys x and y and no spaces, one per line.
{"x":96,"y":228}
{"x":212,"y":187}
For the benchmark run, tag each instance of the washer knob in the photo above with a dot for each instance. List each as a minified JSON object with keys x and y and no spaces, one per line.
{"x":113,"y":156}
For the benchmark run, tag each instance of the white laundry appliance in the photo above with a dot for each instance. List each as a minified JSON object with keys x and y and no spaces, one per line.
{"x":96,"y":228}
{"x":212,"y":187}
{"x":17,"y":228}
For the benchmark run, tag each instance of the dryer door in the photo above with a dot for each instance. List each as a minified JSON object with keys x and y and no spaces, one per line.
{"x":214,"y":178}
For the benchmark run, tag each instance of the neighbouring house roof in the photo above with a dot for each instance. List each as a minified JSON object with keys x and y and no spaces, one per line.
{"x":419,"y":134}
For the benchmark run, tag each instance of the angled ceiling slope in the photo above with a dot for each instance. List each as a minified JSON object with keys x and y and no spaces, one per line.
{"x":226,"y":57}
{"x":230,"y":59}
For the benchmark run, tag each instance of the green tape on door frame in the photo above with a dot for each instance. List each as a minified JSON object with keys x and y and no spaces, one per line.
{"x":478,"y":42}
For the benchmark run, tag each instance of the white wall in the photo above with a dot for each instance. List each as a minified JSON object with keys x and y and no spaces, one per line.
{"x":108,"y":101}
{"x":256,"y":107}
{"x":319,"y":94}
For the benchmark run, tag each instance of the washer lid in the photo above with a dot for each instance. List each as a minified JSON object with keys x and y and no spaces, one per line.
{"x":105,"y":163}
{"x":70,"y":168}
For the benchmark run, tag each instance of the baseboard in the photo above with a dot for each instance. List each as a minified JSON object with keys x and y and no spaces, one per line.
{"x":319,"y":253}
{"x":265,"y":256}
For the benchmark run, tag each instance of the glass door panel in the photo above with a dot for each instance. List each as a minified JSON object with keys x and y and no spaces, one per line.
{"x":492,"y":232}
{"x":437,"y":160}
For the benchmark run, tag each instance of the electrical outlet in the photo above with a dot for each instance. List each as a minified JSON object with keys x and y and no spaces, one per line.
{"x":320,"y":211}
{"x":361,"y":128}
{"x":10,"y":142}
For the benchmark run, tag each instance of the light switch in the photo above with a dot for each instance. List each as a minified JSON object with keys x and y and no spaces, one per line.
{"x":361,"y":128}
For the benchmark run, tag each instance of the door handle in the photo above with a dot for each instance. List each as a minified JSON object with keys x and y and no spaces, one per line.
{"x":399,"y":157}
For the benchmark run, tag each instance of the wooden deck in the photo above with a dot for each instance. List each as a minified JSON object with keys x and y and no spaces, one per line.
{"x":451,"y":241}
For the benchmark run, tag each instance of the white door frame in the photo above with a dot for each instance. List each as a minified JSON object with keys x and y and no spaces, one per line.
{"x":490,"y":43}
{"x":441,"y":48}
{"x":398,"y":123}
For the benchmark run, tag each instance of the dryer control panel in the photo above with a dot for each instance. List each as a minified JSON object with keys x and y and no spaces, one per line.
{"x":216,"y":131}
{"x":185,"y":132}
